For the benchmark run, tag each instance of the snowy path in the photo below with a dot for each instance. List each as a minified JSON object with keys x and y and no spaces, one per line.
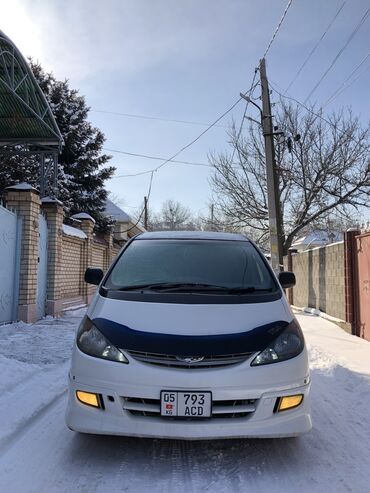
{"x":39,"y":454}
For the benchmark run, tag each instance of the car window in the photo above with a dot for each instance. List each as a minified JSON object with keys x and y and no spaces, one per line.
{"x":230,"y":264}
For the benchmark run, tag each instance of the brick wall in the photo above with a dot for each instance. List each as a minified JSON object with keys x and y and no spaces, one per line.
{"x":115,"y":250}
{"x":70,"y":250}
{"x":99,"y":256}
{"x":71,"y":267}
{"x":320,"y":279}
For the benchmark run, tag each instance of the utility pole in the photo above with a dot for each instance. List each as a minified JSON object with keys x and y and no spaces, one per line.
{"x":274,"y":211}
{"x":146,"y":213}
{"x":212,"y":217}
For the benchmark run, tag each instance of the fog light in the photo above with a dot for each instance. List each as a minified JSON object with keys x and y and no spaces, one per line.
{"x":88,"y":398}
{"x":289,"y":402}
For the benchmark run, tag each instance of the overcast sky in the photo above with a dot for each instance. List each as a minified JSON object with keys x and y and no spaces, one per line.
{"x":184,"y":60}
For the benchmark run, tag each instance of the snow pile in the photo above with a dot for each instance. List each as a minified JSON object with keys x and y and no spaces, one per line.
{"x":71,"y":231}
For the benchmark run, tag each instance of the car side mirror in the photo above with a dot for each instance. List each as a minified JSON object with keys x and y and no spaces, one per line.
{"x":287,"y":279}
{"x":93,"y":276}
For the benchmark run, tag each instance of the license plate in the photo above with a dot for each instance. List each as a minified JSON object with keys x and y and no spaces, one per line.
{"x":186,"y":404}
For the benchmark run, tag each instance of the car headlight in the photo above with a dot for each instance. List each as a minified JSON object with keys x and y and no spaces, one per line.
{"x":287,"y":345}
{"x":92,"y":342}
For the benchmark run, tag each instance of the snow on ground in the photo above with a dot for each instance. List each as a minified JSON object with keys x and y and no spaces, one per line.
{"x":39,"y":454}
{"x":34,"y":362}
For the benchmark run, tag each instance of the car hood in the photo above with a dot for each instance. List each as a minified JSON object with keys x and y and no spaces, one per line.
{"x":183,"y":329}
{"x":187,"y":319}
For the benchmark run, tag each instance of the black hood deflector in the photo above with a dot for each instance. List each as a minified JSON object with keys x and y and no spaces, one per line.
{"x":185,"y":345}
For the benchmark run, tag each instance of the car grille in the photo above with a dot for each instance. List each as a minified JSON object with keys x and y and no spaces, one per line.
{"x":169,"y":360}
{"x":226,"y":409}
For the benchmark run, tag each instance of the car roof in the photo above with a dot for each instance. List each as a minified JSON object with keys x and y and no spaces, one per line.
{"x":191,"y":235}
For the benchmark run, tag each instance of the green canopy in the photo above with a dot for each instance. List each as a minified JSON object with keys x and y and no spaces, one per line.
{"x":25,"y":115}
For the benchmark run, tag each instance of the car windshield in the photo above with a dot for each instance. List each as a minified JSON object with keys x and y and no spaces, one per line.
{"x":192,"y":264}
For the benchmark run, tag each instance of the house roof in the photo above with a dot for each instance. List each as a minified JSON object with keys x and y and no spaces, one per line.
{"x":318,"y":237}
{"x":116,"y":213}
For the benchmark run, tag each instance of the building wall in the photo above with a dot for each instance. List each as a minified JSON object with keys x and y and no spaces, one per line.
{"x":320,"y":279}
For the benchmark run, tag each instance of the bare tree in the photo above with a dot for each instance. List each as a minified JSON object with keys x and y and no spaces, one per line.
{"x":326,"y":172}
{"x":174,"y":215}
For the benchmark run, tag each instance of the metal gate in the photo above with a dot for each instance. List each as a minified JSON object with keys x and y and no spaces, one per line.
{"x":42,"y":267}
{"x":10,"y":231}
{"x":363,"y":275}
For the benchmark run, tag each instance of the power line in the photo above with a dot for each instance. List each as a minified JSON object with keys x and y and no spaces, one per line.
{"x":347,"y":83}
{"x":172,"y":158}
{"x":250,"y":92}
{"x":130,"y":175}
{"x":142,"y":212}
{"x":278,"y":27}
{"x":217,"y":120}
{"x":146,"y":156}
{"x":335,"y":59}
{"x":152,"y":171}
{"x":307,"y":108}
{"x":147,"y":117}
{"x":315,"y":47}
{"x":198,"y":137}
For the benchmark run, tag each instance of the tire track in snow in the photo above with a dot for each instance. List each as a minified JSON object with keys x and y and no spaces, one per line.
{"x":29,"y":401}
{"x":10,"y":440}
{"x":20,"y":381}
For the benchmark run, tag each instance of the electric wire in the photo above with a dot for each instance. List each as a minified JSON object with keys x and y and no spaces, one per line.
{"x":315,"y":47}
{"x":158,"y":158}
{"x":307,"y":108}
{"x":335,"y":59}
{"x":278,"y":27}
{"x":347,"y":83}
{"x":143,"y":210}
{"x":213,"y":124}
{"x":147,"y":117}
{"x":152,"y":171}
{"x":197,"y":137}
{"x":250,"y":93}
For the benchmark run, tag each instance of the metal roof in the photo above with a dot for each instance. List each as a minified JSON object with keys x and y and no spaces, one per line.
{"x":116,"y":213}
{"x":192,"y":235}
{"x":25,"y":115}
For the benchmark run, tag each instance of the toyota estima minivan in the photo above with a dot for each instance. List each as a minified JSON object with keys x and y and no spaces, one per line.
{"x":189,"y":336}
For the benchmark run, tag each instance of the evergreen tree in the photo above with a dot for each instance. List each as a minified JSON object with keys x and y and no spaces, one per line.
{"x":83,"y":167}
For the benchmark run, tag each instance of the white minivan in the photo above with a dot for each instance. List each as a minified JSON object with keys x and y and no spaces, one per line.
{"x":189,"y":336}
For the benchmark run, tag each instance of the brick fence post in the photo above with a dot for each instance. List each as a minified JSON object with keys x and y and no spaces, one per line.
{"x":87,"y":226}
{"x":350,"y":278}
{"x":108,"y":237}
{"x":53,"y":210}
{"x":26,"y":201}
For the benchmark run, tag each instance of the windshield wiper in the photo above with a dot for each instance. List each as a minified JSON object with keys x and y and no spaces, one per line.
{"x":191,"y":287}
{"x":247,"y":290}
{"x":174,"y":286}
{"x":159,"y":285}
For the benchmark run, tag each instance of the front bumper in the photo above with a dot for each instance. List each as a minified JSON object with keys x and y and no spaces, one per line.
{"x":117,"y":419}
{"x":264,"y":423}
